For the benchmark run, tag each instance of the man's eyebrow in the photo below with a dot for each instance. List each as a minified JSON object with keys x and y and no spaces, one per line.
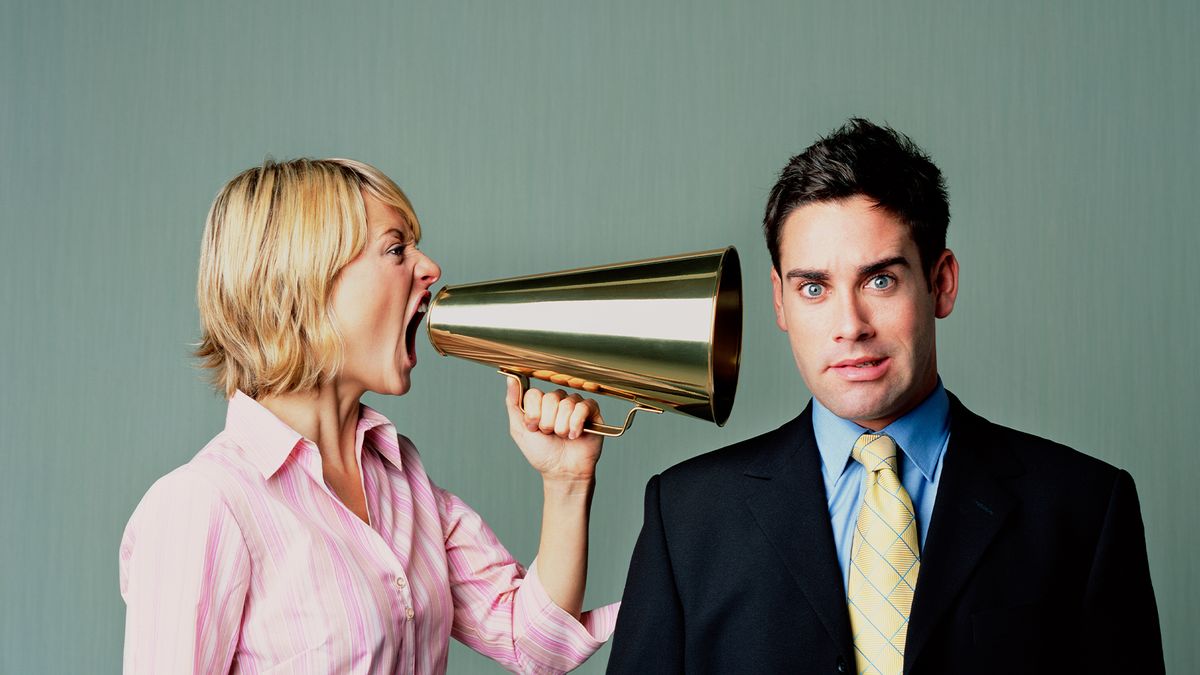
{"x":864,"y":270}
{"x":808,"y":275}
{"x":881,"y":265}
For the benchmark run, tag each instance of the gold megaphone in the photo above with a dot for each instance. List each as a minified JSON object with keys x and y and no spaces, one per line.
{"x":665,"y":333}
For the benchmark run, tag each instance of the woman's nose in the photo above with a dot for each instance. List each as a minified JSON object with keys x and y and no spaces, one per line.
{"x":428,"y":271}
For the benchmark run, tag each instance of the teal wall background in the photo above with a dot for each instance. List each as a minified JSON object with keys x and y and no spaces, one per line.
{"x":535,"y":136}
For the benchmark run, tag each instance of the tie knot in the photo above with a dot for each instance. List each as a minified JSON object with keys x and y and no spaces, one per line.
{"x":875,"y":452}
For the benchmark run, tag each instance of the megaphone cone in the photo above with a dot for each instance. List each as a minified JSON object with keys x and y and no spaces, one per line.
{"x":664,"y":333}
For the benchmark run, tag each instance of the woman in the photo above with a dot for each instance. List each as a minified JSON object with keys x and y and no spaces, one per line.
{"x":306,"y":537}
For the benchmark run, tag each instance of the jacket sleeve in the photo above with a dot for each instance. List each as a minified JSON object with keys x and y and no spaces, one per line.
{"x":1120,"y":628}
{"x":649,"y":632}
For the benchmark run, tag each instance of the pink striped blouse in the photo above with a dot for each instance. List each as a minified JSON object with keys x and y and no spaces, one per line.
{"x":243,"y":561}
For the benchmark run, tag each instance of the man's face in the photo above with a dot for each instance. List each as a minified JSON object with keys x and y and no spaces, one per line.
{"x":857,"y":309}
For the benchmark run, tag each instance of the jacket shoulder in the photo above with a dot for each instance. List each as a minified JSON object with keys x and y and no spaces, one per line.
{"x":711,"y":474}
{"x":1033,"y":457}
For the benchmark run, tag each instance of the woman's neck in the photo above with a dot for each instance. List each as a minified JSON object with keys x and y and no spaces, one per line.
{"x":327,"y":416}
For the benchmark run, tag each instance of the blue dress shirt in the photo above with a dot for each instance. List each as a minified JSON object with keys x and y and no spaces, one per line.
{"x":921,"y":434}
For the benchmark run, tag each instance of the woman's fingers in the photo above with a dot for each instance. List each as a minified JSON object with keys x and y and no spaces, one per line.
{"x":566,"y":411}
{"x":558,"y":413}
{"x":533,"y":409}
{"x":549,"y":414}
{"x":512,"y":399}
{"x":579,"y":416}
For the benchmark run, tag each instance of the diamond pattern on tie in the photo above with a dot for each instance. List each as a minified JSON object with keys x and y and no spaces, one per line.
{"x":884,"y":561}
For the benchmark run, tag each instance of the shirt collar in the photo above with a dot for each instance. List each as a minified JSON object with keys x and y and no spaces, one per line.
{"x":921,"y":434}
{"x":384,"y":433}
{"x":268,"y":441}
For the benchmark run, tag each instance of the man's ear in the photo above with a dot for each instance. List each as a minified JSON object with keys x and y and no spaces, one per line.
{"x":944,"y":279}
{"x":777,"y":297}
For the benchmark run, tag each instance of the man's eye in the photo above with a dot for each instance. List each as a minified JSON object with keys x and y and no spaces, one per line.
{"x":812,"y":290}
{"x":882,"y":283}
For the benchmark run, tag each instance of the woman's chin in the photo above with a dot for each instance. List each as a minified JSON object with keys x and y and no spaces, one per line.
{"x":400,"y":385}
{"x":394,"y":385}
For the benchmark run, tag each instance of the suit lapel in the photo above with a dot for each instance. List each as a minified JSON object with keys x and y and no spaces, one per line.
{"x":970,"y":509}
{"x":791,"y":509}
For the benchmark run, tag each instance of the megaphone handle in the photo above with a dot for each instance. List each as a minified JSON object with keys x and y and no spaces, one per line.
{"x":590,"y":427}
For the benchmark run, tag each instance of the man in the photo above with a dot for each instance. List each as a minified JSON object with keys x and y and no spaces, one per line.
{"x":887,"y":528}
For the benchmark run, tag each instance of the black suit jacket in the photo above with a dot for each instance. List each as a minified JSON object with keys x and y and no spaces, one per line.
{"x":1035,"y":561}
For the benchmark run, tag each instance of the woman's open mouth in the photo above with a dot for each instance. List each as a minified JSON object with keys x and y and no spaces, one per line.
{"x":410,"y":334}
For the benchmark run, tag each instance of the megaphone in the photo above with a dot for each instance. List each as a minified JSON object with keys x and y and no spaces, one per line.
{"x":663,"y":334}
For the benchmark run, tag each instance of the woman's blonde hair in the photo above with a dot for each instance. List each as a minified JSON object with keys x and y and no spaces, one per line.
{"x":275,"y":239}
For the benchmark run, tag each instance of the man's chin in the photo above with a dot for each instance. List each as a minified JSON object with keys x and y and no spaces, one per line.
{"x":859,"y":409}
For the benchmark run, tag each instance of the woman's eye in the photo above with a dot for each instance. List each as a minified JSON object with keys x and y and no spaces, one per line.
{"x":397,"y":250}
{"x":812,"y":290}
{"x":882,"y":283}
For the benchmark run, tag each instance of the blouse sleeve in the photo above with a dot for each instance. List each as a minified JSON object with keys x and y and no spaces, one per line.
{"x":184,"y":574}
{"x":503,"y":612}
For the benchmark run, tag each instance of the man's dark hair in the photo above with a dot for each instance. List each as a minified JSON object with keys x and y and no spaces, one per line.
{"x":880,"y":163}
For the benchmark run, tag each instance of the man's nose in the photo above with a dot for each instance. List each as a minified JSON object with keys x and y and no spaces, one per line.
{"x":852,"y":323}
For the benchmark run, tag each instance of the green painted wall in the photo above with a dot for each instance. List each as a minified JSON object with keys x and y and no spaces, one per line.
{"x":535,"y":136}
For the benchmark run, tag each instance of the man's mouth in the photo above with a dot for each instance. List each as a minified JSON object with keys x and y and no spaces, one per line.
{"x":860,"y":362}
{"x":864,"y":369}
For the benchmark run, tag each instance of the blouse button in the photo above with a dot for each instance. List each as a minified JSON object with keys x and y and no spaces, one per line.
{"x":408,"y":613}
{"x":400,"y":583}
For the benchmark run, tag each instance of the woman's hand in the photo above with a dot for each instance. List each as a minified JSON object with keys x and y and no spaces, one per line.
{"x":550,"y":433}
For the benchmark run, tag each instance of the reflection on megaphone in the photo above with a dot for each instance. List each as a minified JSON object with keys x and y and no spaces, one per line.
{"x":664,"y":333}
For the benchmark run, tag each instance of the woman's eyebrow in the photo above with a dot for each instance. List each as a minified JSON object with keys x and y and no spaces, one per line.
{"x":395,"y":232}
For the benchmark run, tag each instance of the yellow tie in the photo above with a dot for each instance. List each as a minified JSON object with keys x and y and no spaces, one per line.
{"x":884,"y":561}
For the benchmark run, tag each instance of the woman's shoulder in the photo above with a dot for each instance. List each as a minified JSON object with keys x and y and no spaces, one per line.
{"x":192,"y":508}
{"x":212,"y":478}
{"x":223,"y":460}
